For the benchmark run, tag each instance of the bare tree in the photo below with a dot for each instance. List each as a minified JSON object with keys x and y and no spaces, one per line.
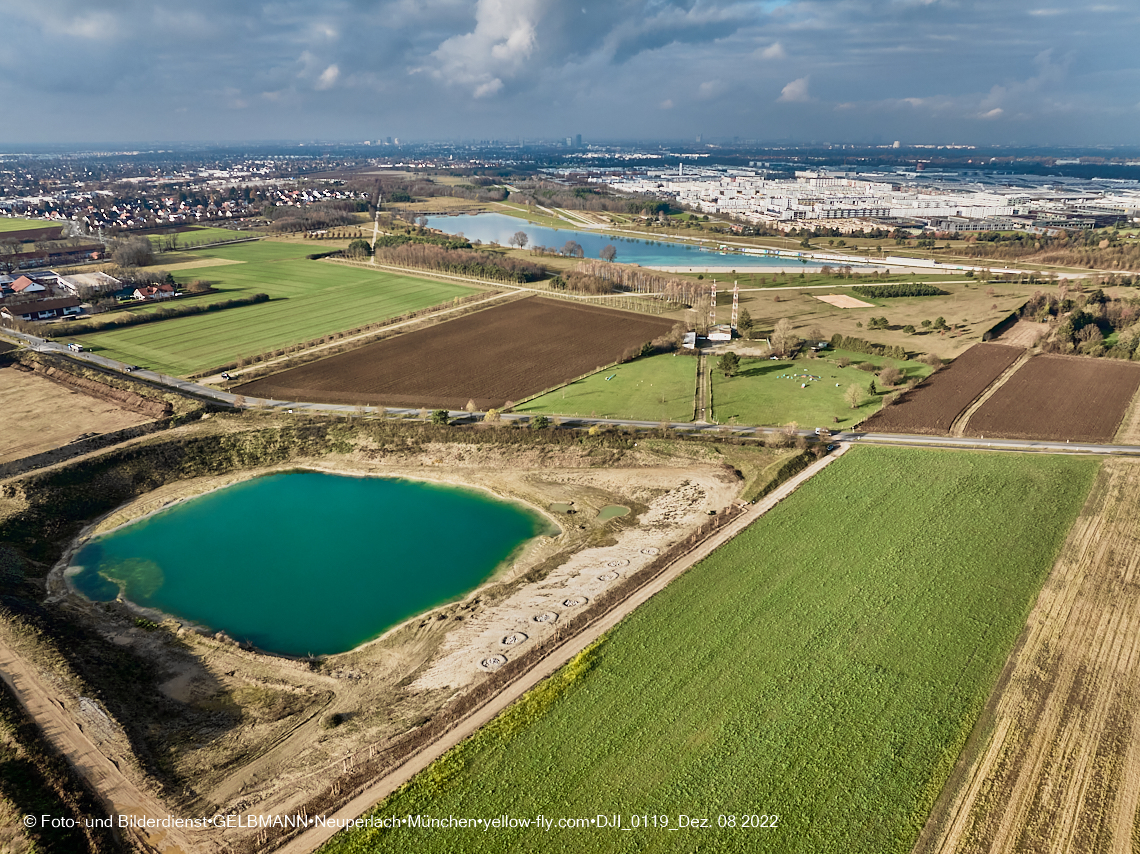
{"x":572,"y":249}
{"x":608,"y":252}
{"x":784,"y":339}
{"x":519,"y":239}
{"x":853,"y":395}
{"x":133,"y":252}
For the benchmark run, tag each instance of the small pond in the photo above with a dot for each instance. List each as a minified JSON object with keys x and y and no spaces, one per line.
{"x":304,"y":563}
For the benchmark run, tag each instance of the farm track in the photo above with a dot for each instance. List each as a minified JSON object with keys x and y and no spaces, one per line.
{"x":312,"y":839}
{"x":1057,"y":767}
{"x":958,"y":428}
{"x":119,"y":794}
{"x":700,"y":405}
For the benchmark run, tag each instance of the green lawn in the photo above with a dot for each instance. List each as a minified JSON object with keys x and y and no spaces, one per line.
{"x":309,"y":299}
{"x":768,"y":393}
{"x":825,"y":666}
{"x":656,"y":388}
{"x":9,"y":223}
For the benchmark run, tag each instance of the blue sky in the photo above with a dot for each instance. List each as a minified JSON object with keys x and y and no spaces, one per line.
{"x":968,"y":71}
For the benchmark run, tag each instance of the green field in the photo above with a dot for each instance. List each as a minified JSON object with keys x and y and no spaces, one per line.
{"x":655,"y":388}
{"x":309,"y":299}
{"x":826,"y":666}
{"x":203,"y":234}
{"x":768,"y":393}
{"x":9,"y":224}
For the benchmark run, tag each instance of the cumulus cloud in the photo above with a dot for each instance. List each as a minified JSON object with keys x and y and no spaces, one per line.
{"x":453,"y":68}
{"x":504,"y":38}
{"x":773,"y":51}
{"x":795,"y":92}
{"x":328,"y":77}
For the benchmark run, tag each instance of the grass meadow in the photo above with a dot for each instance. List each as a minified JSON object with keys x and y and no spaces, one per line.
{"x":771,"y":394}
{"x":202,"y":234}
{"x":309,"y":299}
{"x":826,"y":666}
{"x":655,"y":388}
{"x":9,"y":224}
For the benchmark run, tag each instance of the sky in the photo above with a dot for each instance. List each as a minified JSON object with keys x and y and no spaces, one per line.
{"x":1053,"y":72}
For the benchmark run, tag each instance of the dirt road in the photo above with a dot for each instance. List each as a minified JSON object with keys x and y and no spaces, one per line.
{"x":119,"y":795}
{"x":312,"y":839}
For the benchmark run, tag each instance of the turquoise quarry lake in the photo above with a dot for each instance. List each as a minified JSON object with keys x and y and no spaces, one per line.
{"x":498,"y":228}
{"x":304,"y":563}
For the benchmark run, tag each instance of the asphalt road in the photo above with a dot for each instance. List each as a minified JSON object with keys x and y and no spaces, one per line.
{"x":226,"y":398}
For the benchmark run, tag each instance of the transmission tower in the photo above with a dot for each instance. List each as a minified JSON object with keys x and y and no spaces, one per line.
{"x":712,"y":305}
{"x":376,"y":225}
{"x":735,"y":303}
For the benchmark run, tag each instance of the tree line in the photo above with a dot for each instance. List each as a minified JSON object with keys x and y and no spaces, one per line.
{"x":481,"y":265}
{"x":900,"y":289}
{"x":859,"y":345}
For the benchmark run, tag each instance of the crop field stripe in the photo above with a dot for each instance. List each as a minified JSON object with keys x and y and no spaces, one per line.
{"x":1060,"y":397}
{"x":933,"y":407}
{"x":309,"y":299}
{"x":1060,"y":769}
{"x":509,"y":352}
{"x":825,"y":666}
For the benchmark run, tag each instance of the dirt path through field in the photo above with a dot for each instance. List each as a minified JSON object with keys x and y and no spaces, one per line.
{"x":958,"y":428}
{"x":312,"y":839}
{"x":118,"y":793}
{"x":1054,"y":763}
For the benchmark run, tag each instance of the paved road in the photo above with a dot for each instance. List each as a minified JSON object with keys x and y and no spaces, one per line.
{"x":226,"y":398}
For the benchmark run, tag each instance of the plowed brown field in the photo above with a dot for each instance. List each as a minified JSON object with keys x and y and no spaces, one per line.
{"x":1059,"y":397}
{"x":932,"y":407}
{"x":1054,"y":765}
{"x":505,"y":353}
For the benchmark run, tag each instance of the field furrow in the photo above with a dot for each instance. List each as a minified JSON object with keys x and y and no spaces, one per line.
{"x":508,"y":352}
{"x":933,"y":407}
{"x":1060,"y":772}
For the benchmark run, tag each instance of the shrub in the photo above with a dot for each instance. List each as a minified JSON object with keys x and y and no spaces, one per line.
{"x":890,"y":376}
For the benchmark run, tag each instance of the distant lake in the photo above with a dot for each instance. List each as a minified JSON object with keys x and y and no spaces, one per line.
{"x":498,"y":228}
{"x":306,"y":563}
